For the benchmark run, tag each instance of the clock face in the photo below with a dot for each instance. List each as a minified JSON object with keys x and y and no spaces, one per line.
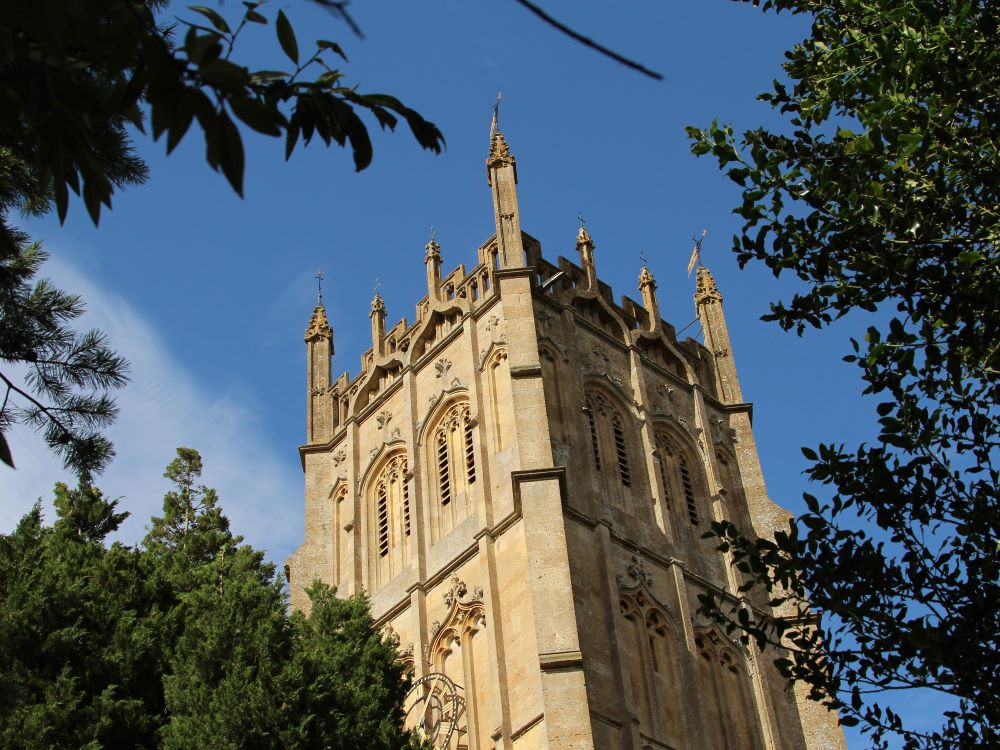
{"x":435,"y":711}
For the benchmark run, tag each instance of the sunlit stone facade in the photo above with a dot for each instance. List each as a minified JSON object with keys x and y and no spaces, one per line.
{"x":520,"y":480}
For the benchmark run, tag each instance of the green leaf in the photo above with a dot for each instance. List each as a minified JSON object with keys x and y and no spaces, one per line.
{"x":217,"y":21}
{"x":332,"y":46}
{"x":286,"y":37}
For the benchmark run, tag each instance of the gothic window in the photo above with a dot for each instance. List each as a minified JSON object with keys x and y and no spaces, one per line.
{"x":453,"y":455}
{"x":655,"y":673}
{"x":677,"y":478}
{"x":391,"y":518}
{"x":727,"y":704}
{"x":610,"y":445}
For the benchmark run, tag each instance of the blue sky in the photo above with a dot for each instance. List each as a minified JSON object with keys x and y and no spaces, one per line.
{"x":208,"y":294}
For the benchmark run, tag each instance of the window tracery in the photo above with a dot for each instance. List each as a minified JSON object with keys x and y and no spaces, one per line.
{"x":677,"y":477}
{"x":453,"y":456}
{"x":391,"y":518}
{"x":611,"y":444}
{"x":654,"y":656}
{"x":728,"y":706}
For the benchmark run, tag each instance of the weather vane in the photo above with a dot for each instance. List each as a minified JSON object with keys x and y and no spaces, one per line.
{"x":319,"y":287}
{"x":696,"y":253}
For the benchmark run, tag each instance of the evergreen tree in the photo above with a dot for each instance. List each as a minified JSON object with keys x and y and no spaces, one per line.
{"x":80,"y":652}
{"x":185,"y":642}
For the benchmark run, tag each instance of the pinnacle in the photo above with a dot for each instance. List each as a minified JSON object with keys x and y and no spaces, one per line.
{"x":319,"y":326}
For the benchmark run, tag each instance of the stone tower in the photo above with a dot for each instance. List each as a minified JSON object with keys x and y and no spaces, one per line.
{"x":520,"y":480}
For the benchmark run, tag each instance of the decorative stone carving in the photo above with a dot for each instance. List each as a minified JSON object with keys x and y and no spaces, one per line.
{"x":457,"y":591}
{"x":665,"y":390}
{"x":383,"y":419}
{"x":319,"y":327}
{"x":637,"y":572}
{"x":705,"y":289}
{"x":442,"y":366}
{"x":435,"y":628}
{"x":395,"y":434}
{"x":339,"y":457}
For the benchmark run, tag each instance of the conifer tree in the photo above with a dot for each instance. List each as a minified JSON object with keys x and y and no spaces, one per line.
{"x":183,"y":642}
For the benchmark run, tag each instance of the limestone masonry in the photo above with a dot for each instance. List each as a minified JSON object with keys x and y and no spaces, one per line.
{"x":520,"y":480}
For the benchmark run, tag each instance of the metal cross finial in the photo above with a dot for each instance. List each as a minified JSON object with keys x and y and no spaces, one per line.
{"x":642,"y":258}
{"x":580,"y":217}
{"x":319,"y":287}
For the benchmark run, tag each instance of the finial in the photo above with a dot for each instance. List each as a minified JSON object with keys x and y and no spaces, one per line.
{"x":583,"y":237}
{"x":432,"y":247}
{"x":642,"y":258}
{"x":377,"y":304}
{"x":705,"y":289}
{"x":646,"y":278}
{"x":319,"y":288}
{"x":580,"y":217}
{"x":319,"y":326}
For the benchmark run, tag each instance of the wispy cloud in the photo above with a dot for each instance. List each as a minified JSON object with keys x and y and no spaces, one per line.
{"x":166,"y":406}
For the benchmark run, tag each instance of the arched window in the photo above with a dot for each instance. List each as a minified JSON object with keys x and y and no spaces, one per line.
{"x":727,"y":704}
{"x":610,"y":445}
{"x":656,"y":675}
{"x":391,"y":518}
{"x":677,"y":478}
{"x":453,"y":455}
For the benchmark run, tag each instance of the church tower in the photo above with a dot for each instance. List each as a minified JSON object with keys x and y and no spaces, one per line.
{"x":520,"y":479}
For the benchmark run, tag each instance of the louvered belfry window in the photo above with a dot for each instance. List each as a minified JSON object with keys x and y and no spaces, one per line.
{"x":455,"y":452}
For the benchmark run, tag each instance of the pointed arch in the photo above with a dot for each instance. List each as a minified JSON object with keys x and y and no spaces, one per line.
{"x":725,"y":685}
{"x":450,"y":446}
{"x":388,"y":501}
{"x":443,"y":317}
{"x":613,"y":444}
{"x":680,"y":476}
{"x":655,"y":655}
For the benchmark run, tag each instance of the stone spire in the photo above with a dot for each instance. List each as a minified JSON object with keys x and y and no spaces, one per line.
{"x":501,"y":175}
{"x":432,"y":259}
{"x":708,"y":302}
{"x":378,"y":324}
{"x":585,"y":246}
{"x":647,"y":285}
{"x":319,"y":350}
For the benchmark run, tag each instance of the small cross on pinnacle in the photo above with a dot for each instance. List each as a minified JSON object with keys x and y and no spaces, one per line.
{"x":642,"y":258}
{"x":580,"y":217}
{"x":319,"y":287}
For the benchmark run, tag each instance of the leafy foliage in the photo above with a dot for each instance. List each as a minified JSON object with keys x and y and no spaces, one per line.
{"x":76,"y":76}
{"x":883,"y":197}
{"x":77,"y":71}
{"x":184,"y":642}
